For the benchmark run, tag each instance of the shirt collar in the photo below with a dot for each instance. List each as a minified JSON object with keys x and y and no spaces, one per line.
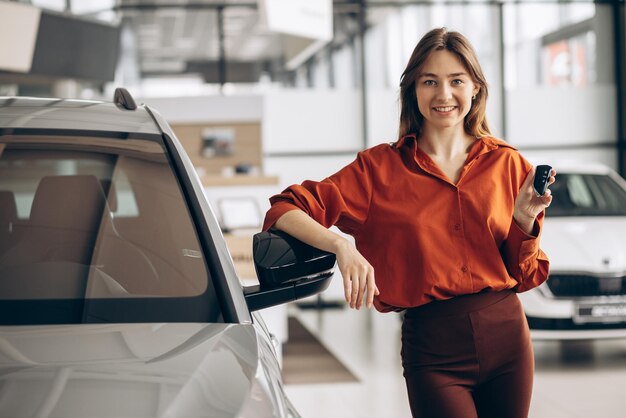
{"x":400,"y":142}
{"x":494,"y":143}
{"x":488,"y":143}
{"x":407,"y":146}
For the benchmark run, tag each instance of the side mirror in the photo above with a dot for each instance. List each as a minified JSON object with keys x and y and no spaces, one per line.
{"x":288,"y":269}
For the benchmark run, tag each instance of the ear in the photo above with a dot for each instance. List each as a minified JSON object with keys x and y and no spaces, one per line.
{"x":475,"y":91}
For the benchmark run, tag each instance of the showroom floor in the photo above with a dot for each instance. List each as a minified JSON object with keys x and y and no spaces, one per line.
{"x":576,"y":380}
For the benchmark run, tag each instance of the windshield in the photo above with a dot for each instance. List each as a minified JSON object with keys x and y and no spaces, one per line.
{"x":587,"y":195}
{"x":92,"y":218}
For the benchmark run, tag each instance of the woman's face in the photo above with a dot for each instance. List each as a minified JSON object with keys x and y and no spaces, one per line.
{"x":444,"y":90}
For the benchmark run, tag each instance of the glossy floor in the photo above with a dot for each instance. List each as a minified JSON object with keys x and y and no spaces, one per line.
{"x":574,"y":380}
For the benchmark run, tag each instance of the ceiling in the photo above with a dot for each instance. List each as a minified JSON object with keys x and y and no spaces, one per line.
{"x":172,"y":40}
{"x":182,"y":36}
{"x":218,"y":40}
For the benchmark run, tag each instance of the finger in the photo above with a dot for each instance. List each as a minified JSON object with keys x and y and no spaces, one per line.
{"x":552,"y":177}
{"x":362,"y":288}
{"x":551,"y":180}
{"x":347,"y":286}
{"x":547,"y":200}
{"x":547,"y":197}
{"x":371,"y":288}
{"x":377,"y":292}
{"x":355,"y":291}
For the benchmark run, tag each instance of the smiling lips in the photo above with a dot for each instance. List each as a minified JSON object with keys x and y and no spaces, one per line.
{"x":445,"y":109}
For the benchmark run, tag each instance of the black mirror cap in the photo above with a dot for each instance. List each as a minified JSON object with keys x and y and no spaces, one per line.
{"x":280,"y":259}
{"x":260,"y":298}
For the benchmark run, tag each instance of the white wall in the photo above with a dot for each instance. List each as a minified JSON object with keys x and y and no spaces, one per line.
{"x":606,"y":156}
{"x":383,"y":108}
{"x":208,"y":108}
{"x":295,"y":169}
{"x":561,"y":116}
{"x":300,"y":121}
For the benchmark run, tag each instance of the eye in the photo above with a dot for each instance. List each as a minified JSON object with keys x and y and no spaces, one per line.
{"x":457,"y":82}
{"x":429,"y":82}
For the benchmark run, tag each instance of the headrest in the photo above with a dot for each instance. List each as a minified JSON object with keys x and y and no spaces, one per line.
{"x":8,"y":209}
{"x":70,"y":202}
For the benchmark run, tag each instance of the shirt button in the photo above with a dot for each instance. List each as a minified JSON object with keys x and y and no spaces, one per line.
{"x":464,"y":269}
{"x":457,"y":227}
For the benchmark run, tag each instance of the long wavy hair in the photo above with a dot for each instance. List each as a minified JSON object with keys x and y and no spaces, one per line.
{"x":411,"y":120}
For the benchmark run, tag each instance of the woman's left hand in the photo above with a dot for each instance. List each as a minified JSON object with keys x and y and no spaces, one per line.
{"x":528,"y":205}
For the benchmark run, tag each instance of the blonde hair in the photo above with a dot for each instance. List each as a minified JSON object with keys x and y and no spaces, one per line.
{"x":411,"y":120}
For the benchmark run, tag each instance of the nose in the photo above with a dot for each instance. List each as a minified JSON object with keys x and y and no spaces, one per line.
{"x":444,"y":92}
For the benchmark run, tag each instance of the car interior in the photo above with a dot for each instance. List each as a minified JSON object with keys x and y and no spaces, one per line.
{"x":116,"y":240}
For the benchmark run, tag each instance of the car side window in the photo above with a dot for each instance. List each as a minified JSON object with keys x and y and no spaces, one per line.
{"x":95,"y":224}
{"x":579,"y":191}
{"x":587,"y":195}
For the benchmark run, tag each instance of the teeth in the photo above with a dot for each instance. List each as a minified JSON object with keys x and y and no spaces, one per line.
{"x":444,"y":109}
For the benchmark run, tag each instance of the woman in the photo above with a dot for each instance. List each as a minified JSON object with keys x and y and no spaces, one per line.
{"x":446,"y":226}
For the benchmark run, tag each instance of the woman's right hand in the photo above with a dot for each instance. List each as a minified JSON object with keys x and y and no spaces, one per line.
{"x":358,"y":276}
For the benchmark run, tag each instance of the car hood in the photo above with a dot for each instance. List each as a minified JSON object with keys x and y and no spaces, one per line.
{"x":121,"y":370}
{"x":585,"y":244}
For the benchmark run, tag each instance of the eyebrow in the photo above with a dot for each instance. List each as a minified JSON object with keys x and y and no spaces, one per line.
{"x":436,"y":76}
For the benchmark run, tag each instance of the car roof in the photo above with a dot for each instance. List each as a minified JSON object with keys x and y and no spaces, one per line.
{"x":70,"y":114}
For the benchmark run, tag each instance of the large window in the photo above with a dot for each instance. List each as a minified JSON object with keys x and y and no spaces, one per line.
{"x":561,"y":95}
{"x":549,"y":44}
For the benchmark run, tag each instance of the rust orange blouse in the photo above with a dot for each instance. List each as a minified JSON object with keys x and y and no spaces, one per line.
{"x":427,"y":238}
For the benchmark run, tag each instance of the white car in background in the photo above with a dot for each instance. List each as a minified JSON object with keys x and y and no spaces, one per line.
{"x":584,"y":236}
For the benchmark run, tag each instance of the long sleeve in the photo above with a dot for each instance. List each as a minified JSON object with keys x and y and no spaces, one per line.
{"x":524,"y":260}
{"x":342,"y":199}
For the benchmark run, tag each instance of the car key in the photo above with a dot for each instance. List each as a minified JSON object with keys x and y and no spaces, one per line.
{"x":542,"y":174}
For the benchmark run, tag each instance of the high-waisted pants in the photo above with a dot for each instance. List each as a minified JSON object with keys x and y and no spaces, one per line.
{"x":467,"y":357}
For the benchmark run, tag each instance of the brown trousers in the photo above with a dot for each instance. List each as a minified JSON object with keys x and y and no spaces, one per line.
{"x":468,"y":357}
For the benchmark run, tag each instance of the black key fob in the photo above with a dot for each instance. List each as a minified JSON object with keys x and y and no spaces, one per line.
{"x":542,"y":174}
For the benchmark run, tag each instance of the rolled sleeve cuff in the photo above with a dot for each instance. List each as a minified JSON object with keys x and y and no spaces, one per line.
{"x":528,"y":245}
{"x":277,"y":210}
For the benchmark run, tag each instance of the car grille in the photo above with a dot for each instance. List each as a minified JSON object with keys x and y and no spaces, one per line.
{"x":568,"y":324}
{"x":563,"y":285}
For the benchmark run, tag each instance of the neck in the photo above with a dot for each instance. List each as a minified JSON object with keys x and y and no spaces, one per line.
{"x":445,"y":144}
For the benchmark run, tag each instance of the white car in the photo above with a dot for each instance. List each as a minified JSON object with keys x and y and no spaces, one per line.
{"x":584,"y":236}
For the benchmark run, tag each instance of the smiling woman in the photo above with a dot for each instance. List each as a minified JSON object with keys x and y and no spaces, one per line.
{"x":446,"y":226}
{"x":433,"y":73}
{"x":445,"y":98}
